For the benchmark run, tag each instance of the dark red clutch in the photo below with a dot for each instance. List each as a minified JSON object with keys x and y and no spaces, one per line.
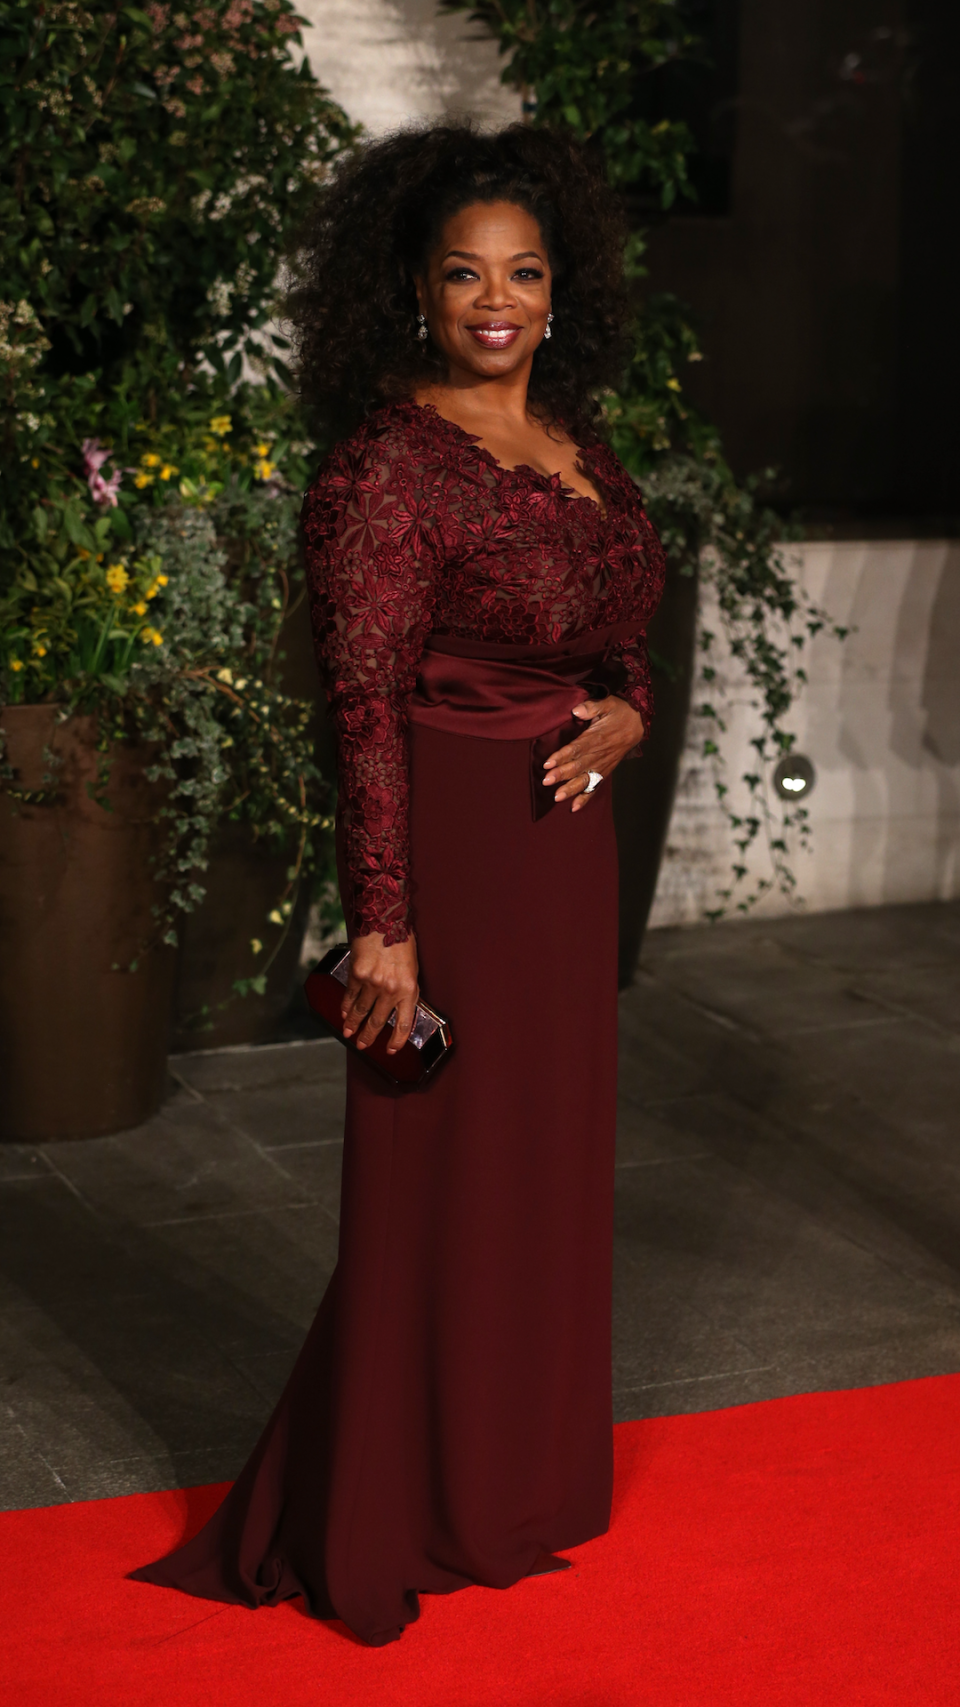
{"x":430,"y":1040}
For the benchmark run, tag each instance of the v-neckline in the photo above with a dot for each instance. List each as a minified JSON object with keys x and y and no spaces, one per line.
{"x":570,"y":493}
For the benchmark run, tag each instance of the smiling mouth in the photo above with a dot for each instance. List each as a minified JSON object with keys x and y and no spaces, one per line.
{"x":495,"y":334}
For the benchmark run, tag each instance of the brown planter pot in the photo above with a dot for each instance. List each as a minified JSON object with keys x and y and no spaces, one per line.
{"x":82,"y":1047}
{"x":243,"y":883}
{"x":643,"y":789}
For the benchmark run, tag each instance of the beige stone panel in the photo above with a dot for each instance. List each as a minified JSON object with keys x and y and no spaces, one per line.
{"x":394,"y":62}
{"x":880,"y":718}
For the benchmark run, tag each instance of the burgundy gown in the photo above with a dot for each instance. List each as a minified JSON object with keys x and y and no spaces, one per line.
{"x":449,"y":1418}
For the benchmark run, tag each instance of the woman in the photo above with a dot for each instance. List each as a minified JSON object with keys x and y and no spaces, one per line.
{"x":482,"y":572}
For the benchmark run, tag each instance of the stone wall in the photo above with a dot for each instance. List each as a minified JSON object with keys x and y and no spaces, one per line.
{"x":880,"y":719}
{"x":392,"y":61}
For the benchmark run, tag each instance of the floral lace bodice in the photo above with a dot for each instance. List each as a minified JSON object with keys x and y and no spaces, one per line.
{"x":412,"y":528}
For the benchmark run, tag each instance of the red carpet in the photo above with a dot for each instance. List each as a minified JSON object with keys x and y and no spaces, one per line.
{"x":803,"y":1551}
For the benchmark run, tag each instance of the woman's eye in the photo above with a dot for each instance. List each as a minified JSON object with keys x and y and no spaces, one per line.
{"x":458,"y":275}
{"x":526,"y":273}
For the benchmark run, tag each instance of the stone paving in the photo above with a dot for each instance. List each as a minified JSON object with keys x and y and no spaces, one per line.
{"x":788,"y":1210}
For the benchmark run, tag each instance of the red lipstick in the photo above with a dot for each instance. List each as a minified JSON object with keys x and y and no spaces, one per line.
{"x":495,"y":334}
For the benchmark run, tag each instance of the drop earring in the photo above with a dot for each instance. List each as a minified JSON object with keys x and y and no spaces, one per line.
{"x":546,"y":330}
{"x":422,"y":327}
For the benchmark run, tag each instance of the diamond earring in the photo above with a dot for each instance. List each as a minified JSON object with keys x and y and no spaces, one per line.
{"x":546,"y":330}
{"x":422,"y":327}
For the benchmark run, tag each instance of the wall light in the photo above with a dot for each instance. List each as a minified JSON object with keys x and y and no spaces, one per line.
{"x":794,"y":777}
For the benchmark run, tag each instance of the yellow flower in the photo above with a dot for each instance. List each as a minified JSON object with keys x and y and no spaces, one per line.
{"x":142,"y":480}
{"x":117,"y":578}
{"x":150,"y":459}
{"x":256,"y":944}
{"x":82,"y":554}
{"x":276,"y":917}
{"x":673,"y":385}
{"x":225,"y":675}
{"x":151,"y":636}
{"x":221,"y":424}
{"x":263,"y":469}
{"x":163,"y":580}
{"x":261,"y":449}
{"x":16,"y":664}
{"x":34,"y":462}
{"x":155,"y":585}
{"x":139,"y":609}
{"x":39,"y":651}
{"x":167,"y":470}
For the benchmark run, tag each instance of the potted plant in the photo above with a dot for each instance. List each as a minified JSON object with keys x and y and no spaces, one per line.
{"x":152,"y":165}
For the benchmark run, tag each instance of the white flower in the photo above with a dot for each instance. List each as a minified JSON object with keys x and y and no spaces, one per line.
{"x":199,"y":202}
{"x":219,"y":296}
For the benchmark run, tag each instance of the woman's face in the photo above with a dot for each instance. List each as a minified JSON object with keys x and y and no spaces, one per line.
{"x":486,"y":289}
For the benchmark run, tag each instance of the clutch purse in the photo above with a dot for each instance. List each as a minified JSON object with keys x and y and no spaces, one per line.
{"x":430,"y":1040}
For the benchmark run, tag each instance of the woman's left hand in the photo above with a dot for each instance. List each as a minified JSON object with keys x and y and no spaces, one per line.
{"x":612,"y":730}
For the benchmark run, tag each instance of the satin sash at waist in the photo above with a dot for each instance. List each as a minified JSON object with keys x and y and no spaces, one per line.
{"x":515,"y":693}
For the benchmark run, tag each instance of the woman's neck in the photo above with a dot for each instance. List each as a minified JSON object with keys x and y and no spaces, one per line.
{"x":465,"y":397}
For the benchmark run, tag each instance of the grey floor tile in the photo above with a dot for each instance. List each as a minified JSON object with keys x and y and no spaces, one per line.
{"x":930,"y":993}
{"x":148,"y":1475}
{"x":180,"y":1166}
{"x":316,"y":1167}
{"x":657,"y":1135}
{"x":25,"y":1477}
{"x":256,"y":1280}
{"x":875,"y":937}
{"x":301,"y":1113}
{"x":269,"y":1372}
{"x":836,"y":1167}
{"x":771,"y":988}
{"x":660,"y":1338}
{"x":711,"y":1393}
{"x":316,"y":1061}
{"x":52,"y":1245}
{"x":655,"y":1065}
{"x":903,"y":1070}
{"x":785,"y":1285}
{"x":909,"y":1357}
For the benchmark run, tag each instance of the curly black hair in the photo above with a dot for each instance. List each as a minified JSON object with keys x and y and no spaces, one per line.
{"x":353,"y":304}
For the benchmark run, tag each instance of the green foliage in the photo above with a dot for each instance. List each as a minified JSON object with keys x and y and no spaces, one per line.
{"x":154,"y":163}
{"x":591,"y":70}
{"x":585,"y":68}
{"x":177,"y":640}
{"x":153,"y":158}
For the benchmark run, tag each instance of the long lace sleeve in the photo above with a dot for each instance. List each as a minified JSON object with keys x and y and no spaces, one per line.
{"x":372,"y":556}
{"x":648,"y":575}
{"x":639,"y":685}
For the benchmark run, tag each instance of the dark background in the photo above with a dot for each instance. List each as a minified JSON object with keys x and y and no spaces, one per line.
{"x":821,"y":259}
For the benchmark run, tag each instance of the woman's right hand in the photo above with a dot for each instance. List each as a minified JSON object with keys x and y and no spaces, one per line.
{"x":381,"y":979}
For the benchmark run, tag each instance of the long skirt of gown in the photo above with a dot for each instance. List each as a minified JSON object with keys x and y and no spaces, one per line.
{"x":449,"y":1417}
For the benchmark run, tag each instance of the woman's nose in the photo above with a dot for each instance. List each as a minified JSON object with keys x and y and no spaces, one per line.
{"x":495,"y":294}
